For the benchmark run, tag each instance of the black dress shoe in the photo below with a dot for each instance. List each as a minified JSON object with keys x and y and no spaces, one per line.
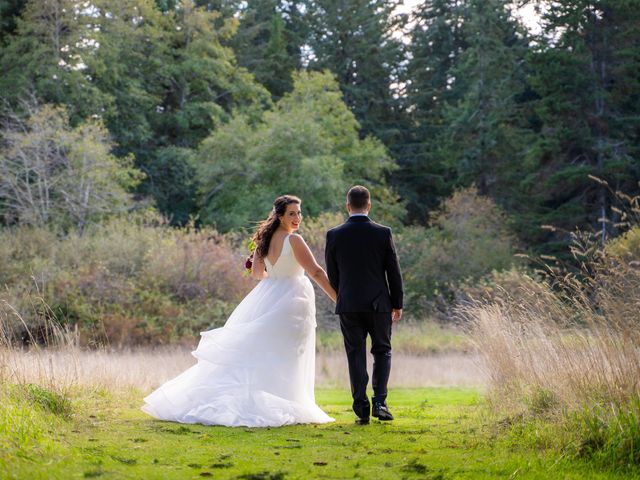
{"x":362,"y":420}
{"x":381,"y":412}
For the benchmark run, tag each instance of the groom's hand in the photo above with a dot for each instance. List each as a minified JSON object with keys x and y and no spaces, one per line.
{"x":396,"y":314}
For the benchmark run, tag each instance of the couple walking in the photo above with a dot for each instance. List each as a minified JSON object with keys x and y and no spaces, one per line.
{"x":259,"y":369}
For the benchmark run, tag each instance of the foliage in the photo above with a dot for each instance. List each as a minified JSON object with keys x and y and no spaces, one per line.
{"x":268,"y":42}
{"x":10,"y":10}
{"x":47,"y":55}
{"x":308,"y":145}
{"x":159,"y":81}
{"x":172,"y":82}
{"x":487,"y":126}
{"x":56,"y":175}
{"x":454,"y":94}
{"x":356,"y":41}
{"x":627,"y":246}
{"x":437,"y":40}
{"x":130,"y":281}
{"x":469,"y":238}
{"x":584,"y":76}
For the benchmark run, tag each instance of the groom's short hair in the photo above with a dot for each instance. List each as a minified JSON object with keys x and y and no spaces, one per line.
{"x":358,"y":197}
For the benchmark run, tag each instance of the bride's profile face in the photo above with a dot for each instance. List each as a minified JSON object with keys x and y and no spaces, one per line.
{"x":292,"y":217}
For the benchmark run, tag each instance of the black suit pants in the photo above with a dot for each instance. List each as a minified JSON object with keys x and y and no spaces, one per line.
{"x":355,"y":328}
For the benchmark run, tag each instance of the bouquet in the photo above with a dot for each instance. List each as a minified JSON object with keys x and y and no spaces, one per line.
{"x":248,"y":263}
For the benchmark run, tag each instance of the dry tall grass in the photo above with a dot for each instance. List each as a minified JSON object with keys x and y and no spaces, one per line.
{"x":574,"y":337}
{"x":58,"y":362}
{"x":568,"y":348}
{"x":144,"y":368}
{"x":574,"y":364}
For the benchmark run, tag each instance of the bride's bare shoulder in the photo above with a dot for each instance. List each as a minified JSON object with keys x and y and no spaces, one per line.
{"x":295,"y":237}
{"x":296,"y":240}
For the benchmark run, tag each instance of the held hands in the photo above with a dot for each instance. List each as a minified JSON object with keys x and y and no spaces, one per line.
{"x":396,"y":314}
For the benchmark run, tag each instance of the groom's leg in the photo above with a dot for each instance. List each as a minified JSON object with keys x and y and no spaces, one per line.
{"x":380,"y":331}
{"x":354,"y":331}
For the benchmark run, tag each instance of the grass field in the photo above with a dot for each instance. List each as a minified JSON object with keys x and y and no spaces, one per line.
{"x":439,"y":433}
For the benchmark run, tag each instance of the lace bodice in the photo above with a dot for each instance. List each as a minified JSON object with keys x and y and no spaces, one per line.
{"x":286,"y":265}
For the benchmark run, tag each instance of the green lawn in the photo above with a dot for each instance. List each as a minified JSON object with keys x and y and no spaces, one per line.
{"x":439,"y":434}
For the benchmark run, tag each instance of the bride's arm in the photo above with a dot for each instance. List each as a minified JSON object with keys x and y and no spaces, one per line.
{"x":306,"y":259}
{"x":257,"y":268}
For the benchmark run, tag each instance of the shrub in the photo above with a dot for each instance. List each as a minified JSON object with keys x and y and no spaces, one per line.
{"x":468,"y":239}
{"x":129,"y":281}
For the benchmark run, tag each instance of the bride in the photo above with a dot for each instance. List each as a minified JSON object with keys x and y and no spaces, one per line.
{"x":258,"y":370}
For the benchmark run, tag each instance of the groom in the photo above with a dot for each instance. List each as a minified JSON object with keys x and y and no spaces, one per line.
{"x":363,"y":268}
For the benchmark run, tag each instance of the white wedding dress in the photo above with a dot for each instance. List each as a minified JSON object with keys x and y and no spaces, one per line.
{"x":259,"y":369}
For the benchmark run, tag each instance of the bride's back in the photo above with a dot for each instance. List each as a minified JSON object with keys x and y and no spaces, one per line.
{"x":285,"y":264}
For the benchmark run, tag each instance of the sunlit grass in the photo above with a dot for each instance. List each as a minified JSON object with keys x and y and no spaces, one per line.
{"x":438,"y":433}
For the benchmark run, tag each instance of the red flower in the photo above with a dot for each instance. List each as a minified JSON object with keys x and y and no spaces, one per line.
{"x":249,"y":262}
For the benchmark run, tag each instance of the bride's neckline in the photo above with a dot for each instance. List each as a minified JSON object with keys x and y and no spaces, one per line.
{"x":281,"y":250}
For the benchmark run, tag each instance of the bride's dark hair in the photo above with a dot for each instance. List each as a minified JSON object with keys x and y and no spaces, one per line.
{"x":266,"y":228}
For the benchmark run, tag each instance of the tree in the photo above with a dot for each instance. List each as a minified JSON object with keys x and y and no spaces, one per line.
{"x":436,"y":42}
{"x":55,"y":174}
{"x":10,"y":10}
{"x":585,"y":73}
{"x":268,"y":42}
{"x":357,"y":40}
{"x":172,"y":82}
{"x":161,"y":82}
{"x":307,"y":145}
{"x":47,"y":56}
{"x":487,"y":125}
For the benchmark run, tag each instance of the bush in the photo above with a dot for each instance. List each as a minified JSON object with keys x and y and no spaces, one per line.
{"x":468,"y":239}
{"x":129,"y":281}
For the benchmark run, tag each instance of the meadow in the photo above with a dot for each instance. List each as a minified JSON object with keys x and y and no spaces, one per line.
{"x":142,"y":140}
{"x":534,"y":375}
{"x":68,"y":412}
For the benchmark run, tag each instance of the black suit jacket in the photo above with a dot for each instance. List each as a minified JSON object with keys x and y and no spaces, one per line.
{"x":363,"y":267}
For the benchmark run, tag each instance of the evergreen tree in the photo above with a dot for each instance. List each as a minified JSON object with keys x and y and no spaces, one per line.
{"x":487,"y":125}
{"x":10,"y":10}
{"x":268,"y":42}
{"x":436,"y":42}
{"x":468,"y":100}
{"x":47,"y":56}
{"x":586,"y":74}
{"x":358,"y":41}
{"x":172,"y":82}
